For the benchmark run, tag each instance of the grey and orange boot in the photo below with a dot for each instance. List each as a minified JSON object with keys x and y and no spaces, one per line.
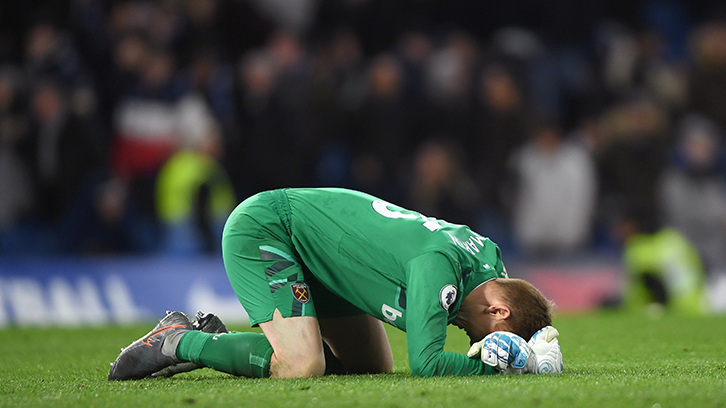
{"x":153,"y":352}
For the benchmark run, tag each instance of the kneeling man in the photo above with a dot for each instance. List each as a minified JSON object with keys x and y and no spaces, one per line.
{"x":320,"y":269}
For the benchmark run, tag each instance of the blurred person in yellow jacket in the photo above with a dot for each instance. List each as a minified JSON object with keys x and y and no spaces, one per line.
{"x":194,"y":195}
{"x":664,"y":270}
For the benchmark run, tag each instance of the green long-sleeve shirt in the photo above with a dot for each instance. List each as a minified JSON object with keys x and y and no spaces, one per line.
{"x":397,"y":265}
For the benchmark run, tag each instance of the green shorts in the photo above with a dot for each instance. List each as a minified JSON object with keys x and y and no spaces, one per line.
{"x":264,"y":268}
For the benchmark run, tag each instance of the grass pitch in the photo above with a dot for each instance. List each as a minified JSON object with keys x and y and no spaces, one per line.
{"x":611,"y":360}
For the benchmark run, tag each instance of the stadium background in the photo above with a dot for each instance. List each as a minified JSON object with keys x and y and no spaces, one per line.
{"x":129,"y":129}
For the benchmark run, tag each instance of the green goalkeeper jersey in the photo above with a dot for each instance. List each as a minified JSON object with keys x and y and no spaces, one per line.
{"x":398,"y":265}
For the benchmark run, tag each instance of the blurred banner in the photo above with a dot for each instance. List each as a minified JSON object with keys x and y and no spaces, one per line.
{"x":92,"y":291}
{"x":574,"y":285}
{"x":69,"y":292}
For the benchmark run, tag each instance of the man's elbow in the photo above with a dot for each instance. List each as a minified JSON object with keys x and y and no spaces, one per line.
{"x":426,"y":368}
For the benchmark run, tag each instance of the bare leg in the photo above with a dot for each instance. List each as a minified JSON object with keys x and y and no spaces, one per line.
{"x":297,"y":345}
{"x":359,"y":342}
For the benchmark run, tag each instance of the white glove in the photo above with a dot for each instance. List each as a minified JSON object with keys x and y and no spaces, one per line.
{"x":547,"y":352}
{"x":504,"y":350}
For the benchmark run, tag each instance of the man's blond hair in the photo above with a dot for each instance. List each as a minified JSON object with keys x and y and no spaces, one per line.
{"x":529,"y":309}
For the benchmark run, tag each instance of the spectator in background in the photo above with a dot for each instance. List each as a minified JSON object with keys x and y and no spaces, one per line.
{"x":440,"y":186}
{"x":449,"y":74}
{"x":131,"y":53}
{"x":651,"y":60}
{"x":49,"y":52}
{"x":664,"y":51}
{"x":144,"y":129}
{"x":63,"y":148}
{"x":213,"y":80}
{"x":274,"y":116}
{"x":295,"y":16}
{"x":18,"y":197}
{"x":193,"y":193}
{"x":265,"y":122}
{"x":344,"y":102}
{"x":62,"y":153}
{"x":664,"y":271}
{"x":500,"y":127}
{"x":633,"y":155}
{"x":554,"y":190}
{"x":708,"y":84}
{"x":590,"y":134}
{"x":382,"y":139}
{"x":340,"y":83}
{"x":145,"y":136}
{"x":295,"y":69}
{"x":338,"y":89}
{"x":415,"y":49}
{"x":203,"y":30}
{"x":693,"y":190}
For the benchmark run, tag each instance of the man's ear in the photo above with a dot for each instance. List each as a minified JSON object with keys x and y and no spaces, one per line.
{"x":499,"y":311}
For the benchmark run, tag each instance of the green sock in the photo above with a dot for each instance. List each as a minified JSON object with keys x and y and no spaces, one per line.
{"x":238,"y":353}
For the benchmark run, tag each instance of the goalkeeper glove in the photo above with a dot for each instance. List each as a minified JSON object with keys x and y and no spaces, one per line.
{"x":547,"y":351}
{"x":504,"y":350}
{"x":509,"y":354}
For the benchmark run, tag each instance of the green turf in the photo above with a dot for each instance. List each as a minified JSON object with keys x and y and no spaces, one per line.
{"x":611,"y":360}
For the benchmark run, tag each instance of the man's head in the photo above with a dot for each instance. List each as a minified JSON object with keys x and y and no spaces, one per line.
{"x":504,"y":304}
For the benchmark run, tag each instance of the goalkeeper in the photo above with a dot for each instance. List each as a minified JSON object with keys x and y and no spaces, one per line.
{"x":319,"y":270}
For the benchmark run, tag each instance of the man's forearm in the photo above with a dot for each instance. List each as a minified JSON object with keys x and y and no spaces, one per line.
{"x":444,"y":363}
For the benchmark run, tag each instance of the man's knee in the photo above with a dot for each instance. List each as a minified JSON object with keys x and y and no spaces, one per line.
{"x":297,"y":344}
{"x":377,"y":360}
{"x":381,"y":366}
{"x":293,"y":365}
{"x":360,"y":343}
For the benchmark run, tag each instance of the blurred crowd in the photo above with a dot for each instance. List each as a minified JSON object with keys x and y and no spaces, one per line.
{"x":552,"y":127}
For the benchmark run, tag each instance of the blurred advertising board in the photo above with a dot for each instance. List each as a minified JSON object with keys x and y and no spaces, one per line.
{"x":95,"y":291}
{"x":90,"y":291}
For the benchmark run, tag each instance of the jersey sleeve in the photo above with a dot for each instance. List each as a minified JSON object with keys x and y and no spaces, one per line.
{"x":427,"y":320}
